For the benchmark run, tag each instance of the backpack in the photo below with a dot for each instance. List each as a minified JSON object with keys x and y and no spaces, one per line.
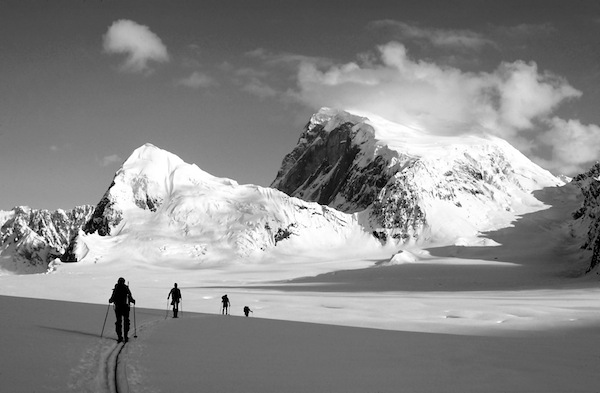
{"x":120,"y":295}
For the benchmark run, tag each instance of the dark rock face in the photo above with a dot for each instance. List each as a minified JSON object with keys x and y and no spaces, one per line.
{"x":30,"y":239}
{"x":319,"y":154}
{"x":335,"y":167}
{"x":398,"y":211}
{"x":104,"y":215}
{"x":323,"y":168}
{"x":589,"y":212}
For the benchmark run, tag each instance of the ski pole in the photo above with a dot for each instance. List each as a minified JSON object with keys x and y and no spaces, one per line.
{"x":167,"y":313}
{"x":134,"y":324}
{"x":104,"y":324}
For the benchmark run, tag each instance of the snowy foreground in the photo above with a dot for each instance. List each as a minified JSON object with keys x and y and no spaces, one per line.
{"x":508,"y":314}
{"x":51,"y":346}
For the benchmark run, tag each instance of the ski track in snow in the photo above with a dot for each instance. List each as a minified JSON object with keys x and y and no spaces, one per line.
{"x":104,"y":367}
{"x":115,"y":376}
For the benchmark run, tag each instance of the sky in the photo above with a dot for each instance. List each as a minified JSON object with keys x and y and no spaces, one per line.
{"x":229,"y":85}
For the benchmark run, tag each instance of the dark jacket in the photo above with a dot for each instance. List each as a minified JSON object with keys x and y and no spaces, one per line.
{"x":121,"y":295}
{"x":225,"y":301}
{"x":176,"y":293}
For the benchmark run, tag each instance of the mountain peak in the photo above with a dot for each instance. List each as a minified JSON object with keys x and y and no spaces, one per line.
{"x":331,"y":118}
{"x":176,"y":210}
{"x":410,"y":184}
{"x":156,"y":157}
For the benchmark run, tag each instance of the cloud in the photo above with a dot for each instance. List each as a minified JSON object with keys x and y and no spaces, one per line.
{"x":197,"y":80}
{"x":441,"y":38}
{"x":526,"y":95}
{"x":110,"y":160}
{"x":525,"y":30}
{"x":515,"y":101}
{"x":574,"y":145}
{"x":401,"y":89}
{"x":136,"y":41}
{"x":255,"y":82}
{"x":284,"y":58}
{"x":272,"y":77}
{"x":260,"y":89}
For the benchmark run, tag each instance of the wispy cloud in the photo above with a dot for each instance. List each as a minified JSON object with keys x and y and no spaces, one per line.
{"x":197,"y":80}
{"x":441,"y":38}
{"x":61,"y":148}
{"x":110,"y":160}
{"x":285,"y":58}
{"x":137,"y":42}
{"x":525,"y":30}
{"x":271,"y":77}
{"x":260,"y":89}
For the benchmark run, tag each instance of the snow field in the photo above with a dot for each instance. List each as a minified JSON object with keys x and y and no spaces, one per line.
{"x":55,"y":346}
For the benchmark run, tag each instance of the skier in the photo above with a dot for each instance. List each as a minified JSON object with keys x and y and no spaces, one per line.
{"x":121,"y":298}
{"x":176,"y":293}
{"x":226,"y":304}
{"x":247,"y":310}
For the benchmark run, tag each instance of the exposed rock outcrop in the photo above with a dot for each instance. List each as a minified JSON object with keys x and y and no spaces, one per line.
{"x":588,"y":215}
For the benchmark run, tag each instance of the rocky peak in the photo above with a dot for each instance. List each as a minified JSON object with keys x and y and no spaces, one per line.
{"x":402,"y":179}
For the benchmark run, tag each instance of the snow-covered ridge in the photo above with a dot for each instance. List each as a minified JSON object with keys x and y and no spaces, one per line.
{"x":408,"y":184}
{"x":352,"y":179}
{"x":163,"y":209}
{"x":30,"y":239}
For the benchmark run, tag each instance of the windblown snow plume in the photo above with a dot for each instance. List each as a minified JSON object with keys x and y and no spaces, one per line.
{"x":159,"y":209}
{"x":409,"y":185}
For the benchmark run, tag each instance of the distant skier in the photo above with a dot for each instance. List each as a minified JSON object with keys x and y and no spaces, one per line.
{"x":121,"y":298}
{"x":247,"y":310}
{"x":176,"y":295}
{"x":226,"y":305}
